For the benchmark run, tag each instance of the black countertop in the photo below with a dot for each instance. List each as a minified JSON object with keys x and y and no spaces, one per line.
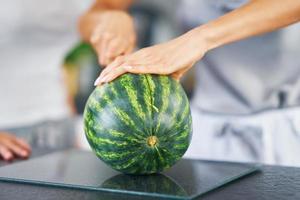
{"x":272,"y":182}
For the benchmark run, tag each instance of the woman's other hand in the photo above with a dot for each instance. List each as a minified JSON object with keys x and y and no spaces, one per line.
{"x":113,"y":36}
{"x":12,"y":147}
{"x":109,"y":28}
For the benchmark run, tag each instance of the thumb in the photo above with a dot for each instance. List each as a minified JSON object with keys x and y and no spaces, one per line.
{"x":177,"y":76}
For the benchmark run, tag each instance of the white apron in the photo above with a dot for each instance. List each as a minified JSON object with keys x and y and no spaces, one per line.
{"x":247,"y":95}
{"x":270,"y":137}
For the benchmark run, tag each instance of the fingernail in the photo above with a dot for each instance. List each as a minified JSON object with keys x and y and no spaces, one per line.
{"x":7,"y":157}
{"x":24,"y":153}
{"x":97,"y":81}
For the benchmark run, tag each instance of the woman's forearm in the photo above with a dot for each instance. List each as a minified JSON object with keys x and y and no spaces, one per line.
{"x":254,"y":18}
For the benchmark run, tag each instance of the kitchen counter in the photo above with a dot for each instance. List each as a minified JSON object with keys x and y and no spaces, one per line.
{"x":272,"y":182}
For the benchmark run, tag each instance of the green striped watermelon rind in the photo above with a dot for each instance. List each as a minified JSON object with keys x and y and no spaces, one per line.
{"x":120,"y":117}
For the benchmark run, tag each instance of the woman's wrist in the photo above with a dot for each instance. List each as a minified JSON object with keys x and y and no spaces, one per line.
{"x":205,"y":37}
{"x":198,"y":42}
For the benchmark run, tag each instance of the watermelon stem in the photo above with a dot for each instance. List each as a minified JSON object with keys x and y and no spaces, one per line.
{"x":152,"y":141}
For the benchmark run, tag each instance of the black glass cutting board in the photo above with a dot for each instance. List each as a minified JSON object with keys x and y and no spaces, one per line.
{"x":187,"y":179}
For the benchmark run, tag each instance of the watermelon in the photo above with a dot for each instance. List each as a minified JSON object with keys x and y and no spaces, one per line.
{"x":139,"y":124}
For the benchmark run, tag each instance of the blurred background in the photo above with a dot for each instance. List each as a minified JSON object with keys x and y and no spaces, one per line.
{"x":47,"y":72}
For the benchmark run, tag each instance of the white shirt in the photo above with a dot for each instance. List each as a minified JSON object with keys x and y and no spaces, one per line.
{"x":34,"y":37}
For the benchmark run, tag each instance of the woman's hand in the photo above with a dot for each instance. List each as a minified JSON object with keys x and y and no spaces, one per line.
{"x":11,"y":147}
{"x":113,"y":36}
{"x":174,"y":57}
